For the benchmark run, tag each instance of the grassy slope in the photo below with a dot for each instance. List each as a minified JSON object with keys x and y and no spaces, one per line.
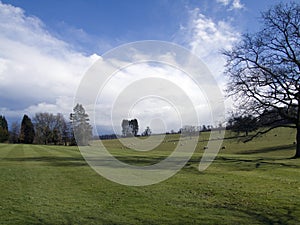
{"x":252,"y":183}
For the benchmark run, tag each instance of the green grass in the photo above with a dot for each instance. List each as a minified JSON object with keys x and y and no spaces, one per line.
{"x":252,"y":183}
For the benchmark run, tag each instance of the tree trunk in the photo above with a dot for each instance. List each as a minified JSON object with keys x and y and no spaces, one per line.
{"x":297,"y":155}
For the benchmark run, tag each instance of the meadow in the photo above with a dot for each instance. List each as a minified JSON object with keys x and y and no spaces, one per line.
{"x":248,"y":183}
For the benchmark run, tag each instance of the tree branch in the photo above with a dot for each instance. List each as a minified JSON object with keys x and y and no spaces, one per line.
{"x":268,"y":130}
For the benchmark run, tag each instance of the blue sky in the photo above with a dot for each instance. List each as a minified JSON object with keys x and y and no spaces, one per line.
{"x":47,"y":46}
{"x":97,"y":25}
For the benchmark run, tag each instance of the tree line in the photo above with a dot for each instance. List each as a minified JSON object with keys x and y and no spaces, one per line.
{"x":47,"y":128}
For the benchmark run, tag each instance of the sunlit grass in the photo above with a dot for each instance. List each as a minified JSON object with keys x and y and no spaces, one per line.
{"x":251,"y":183}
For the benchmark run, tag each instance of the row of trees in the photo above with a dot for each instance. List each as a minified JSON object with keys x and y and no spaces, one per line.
{"x":249,"y":123}
{"x":47,"y":128}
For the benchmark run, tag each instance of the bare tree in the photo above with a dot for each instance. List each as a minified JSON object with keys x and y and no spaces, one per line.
{"x":14,"y":133}
{"x":50,"y":128}
{"x":61,"y":130}
{"x":264,"y":68}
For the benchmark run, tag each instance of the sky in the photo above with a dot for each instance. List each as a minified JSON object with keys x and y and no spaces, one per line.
{"x":47,"y":46}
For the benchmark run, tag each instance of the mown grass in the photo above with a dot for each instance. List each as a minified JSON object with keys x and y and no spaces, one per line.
{"x":252,"y":183}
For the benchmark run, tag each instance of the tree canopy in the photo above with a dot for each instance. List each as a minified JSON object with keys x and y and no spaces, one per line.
{"x":50,"y":128}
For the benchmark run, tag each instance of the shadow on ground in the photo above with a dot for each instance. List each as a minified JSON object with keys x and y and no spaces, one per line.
{"x":268,"y":149}
{"x":51,"y":160}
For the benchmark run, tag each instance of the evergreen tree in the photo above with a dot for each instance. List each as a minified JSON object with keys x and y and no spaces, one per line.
{"x":81,"y":128}
{"x":3,"y":129}
{"x":27,"y":131}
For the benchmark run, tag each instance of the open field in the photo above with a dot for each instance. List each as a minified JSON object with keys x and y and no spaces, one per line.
{"x":252,"y":183}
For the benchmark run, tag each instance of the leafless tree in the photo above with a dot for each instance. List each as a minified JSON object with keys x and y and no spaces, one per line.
{"x":264,"y":68}
{"x":50,"y":128}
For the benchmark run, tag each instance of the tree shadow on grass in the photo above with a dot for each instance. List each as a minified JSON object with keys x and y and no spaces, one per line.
{"x":80,"y":161}
{"x":268,"y":149}
{"x":69,"y":161}
{"x":270,"y":217}
{"x":51,"y":160}
{"x":254,"y":163}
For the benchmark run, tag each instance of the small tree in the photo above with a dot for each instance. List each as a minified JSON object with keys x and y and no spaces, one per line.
{"x":27,"y":131}
{"x":147,"y":132}
{"x":65,"y":132}
{"x":81,"y":128}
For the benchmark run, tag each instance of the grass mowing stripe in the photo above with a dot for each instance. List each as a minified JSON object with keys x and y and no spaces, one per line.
{"x":14,"y":151}
{"x":5,"y":150}
{"x":37,"y":187}
{"x":58,"y":157}
{"x":72,"y":151}
{"x":53,"y":151}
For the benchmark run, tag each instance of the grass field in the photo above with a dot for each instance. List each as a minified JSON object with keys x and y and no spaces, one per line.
{"x":252,"y":183}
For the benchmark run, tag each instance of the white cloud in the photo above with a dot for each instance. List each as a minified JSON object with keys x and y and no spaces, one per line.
{"x":207,"y":38}
{"x":234,"y":4}
{"x":38,"y":70}
{"x":224,"y":2}
{"x":40,"y":73}
{"x":126,"y":96}
{"x":237,"y":4}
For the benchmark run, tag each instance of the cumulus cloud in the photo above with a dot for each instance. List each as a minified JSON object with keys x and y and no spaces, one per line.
{"x":38,"y":71}
{"x":150,"y":92}
{"x":207,"y":38}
